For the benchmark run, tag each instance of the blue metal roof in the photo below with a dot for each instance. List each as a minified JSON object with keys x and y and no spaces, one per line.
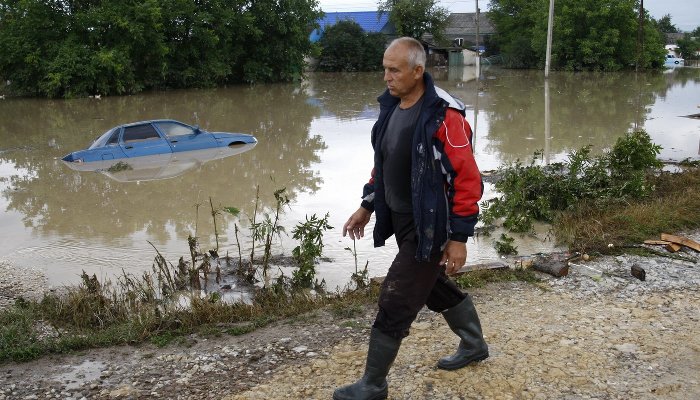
{"x":369,"y":21}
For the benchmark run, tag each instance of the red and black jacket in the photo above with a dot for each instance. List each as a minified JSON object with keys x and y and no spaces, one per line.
{"x":446,"y":184}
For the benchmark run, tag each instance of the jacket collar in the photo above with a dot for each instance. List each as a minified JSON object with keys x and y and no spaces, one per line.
{"x":431,"y":97}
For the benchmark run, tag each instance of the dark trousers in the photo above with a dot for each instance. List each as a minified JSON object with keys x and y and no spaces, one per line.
{"x":410,"y":284}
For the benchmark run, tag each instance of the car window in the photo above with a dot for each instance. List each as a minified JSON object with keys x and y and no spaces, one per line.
{"x":139,"y":133}
{"x":114,"y":138}
{"x":174,"y":129}
{"x":102,"y":140}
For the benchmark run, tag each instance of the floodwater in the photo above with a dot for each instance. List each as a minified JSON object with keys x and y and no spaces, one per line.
{"x":313,"y":140}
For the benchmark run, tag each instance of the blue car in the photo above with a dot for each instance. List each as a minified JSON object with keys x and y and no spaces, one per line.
{"x":148,"y":138}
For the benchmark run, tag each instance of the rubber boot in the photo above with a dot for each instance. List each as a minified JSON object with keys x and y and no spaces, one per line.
{"x":464,"y":321}
{"x":373,"y":386}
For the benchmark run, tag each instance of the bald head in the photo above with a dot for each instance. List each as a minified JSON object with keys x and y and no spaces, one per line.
{"x":414,"y":50}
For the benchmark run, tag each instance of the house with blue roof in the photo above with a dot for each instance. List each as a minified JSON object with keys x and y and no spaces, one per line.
{"x":369,"y":21}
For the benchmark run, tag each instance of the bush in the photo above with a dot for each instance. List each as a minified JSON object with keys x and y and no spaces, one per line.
{"x":346,"y":47}
{"x":537,"y":193}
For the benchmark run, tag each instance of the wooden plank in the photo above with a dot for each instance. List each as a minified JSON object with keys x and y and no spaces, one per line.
{"x":673,"y":247}
{"x":657,"y":242}
{"x":377,"y":280}
{"x":681,"y":240}
{"x":479,"y":267}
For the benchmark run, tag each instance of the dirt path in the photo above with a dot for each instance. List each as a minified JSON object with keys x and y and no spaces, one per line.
{"x":590,"y":335}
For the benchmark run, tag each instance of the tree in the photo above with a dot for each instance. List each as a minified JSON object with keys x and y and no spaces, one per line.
{"x":665,"y":24}
{"x":689,"y":47}
{"x":416,"y":17}
{"x":346,"y":47}
{"x":588,"y":34}
{"x":68,"y":48}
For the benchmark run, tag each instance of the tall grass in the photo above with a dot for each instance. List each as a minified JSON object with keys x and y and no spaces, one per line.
{"x":673,"y":206}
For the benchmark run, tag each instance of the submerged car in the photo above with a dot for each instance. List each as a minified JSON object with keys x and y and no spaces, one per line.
{"x":148,"y":138}
{"x":158,"y":166}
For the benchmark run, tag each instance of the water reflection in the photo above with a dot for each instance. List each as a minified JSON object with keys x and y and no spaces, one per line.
{"x":313,"y":140}
{"x":160,"y":166}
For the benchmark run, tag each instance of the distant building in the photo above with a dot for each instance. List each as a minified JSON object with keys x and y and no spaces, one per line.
{"x":461,"y":29}
{"x":460,"y":33}
{"x":369,"y":21}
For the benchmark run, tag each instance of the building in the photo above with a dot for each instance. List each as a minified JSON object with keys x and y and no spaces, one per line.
{"x":369,"y":21}
{"x":461,"y":29}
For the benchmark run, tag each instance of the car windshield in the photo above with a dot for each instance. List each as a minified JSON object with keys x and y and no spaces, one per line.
{"x":171,"y":128}
{"x":102,"y":140}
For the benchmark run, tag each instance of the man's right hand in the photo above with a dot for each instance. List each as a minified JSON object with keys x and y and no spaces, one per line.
{"x":356,"y":223}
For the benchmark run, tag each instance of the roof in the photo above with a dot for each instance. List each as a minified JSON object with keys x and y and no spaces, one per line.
{"x":465,"y":23}
{"x":369,"y":21}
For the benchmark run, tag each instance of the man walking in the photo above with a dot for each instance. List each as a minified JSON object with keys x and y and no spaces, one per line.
{"x":424,"y":190}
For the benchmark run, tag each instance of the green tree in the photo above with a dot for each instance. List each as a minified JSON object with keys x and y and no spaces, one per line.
{"x":67,"y":48}
{"x":665,"y":24}
{"x":416,"y":17}
{"x":346,"y":47}
{"x":689,"y":47}
{"x":588,"y":34}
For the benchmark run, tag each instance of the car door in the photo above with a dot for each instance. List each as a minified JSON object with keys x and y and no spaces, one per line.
{"x":183,"y":137}
{"x":143,"y":140}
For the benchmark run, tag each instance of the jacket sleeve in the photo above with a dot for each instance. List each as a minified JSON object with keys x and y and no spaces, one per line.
{"x":368,"y":194}
{"x":464,"y":187}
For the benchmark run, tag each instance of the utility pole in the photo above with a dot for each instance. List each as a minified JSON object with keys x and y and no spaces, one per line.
{"x":550,"y":27}
{"x":478,"y":54}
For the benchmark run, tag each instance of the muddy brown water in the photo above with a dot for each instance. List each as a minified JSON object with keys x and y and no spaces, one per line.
{"x":313,"y":141}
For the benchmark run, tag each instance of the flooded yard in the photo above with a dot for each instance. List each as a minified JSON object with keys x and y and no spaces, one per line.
{"x":313,"y":140}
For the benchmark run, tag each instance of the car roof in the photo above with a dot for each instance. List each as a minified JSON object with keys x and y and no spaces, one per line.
{"x":148,"y":121}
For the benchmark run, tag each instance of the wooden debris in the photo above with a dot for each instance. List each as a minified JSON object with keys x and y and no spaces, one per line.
{"x":638,"y":272}
{"x":681,"y":240}
{"x":553,"y":264}
{"x":673,"y":247}
{"x":377,"y":280}
{"x":478,"y":267}
{"x":657,"y":242}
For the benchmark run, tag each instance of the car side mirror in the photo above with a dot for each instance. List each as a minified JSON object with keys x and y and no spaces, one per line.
{"x":197,"y":131}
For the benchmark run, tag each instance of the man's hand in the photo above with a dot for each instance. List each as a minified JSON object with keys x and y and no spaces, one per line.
{"x":356,"y":223}
{"x":454,"y":256}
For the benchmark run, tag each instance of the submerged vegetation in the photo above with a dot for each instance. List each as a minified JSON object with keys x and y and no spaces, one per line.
{"x":620,"y":197}
{"x":174,"y":300}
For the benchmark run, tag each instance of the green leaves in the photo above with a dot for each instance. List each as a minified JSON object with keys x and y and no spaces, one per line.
{"x":416,"y":17}
{"x":537,"y":193}
{"x":598,"y":35}
{"x":310,"y":237}
{"x":70,"y":49}
{"x":346,"y":47}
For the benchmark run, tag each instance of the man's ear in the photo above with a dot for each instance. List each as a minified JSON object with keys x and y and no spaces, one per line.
{"x":418,"y":71}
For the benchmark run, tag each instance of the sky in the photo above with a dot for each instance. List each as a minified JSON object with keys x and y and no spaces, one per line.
{"x":685,"y":14}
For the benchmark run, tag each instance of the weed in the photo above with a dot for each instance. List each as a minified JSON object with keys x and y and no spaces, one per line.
{"x":310,"y":237}
{"x":480,"y":278}
{"x":504,"y":245}
{"x":361,"y":277}
{"x":264,"y":231}
{"x":354,"y":324}
{"x":575,"y":193}
{"x":347,"y":310}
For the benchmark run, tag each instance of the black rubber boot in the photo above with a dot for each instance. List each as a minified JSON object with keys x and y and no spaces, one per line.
{"x":373,"y":386}
{"x":464,"y":321}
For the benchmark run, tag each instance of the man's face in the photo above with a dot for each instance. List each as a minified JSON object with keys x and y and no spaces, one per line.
{"x":400,"y":78}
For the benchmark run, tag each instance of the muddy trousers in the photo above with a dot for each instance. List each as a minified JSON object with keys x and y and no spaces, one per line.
{"x":409,"y":284}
